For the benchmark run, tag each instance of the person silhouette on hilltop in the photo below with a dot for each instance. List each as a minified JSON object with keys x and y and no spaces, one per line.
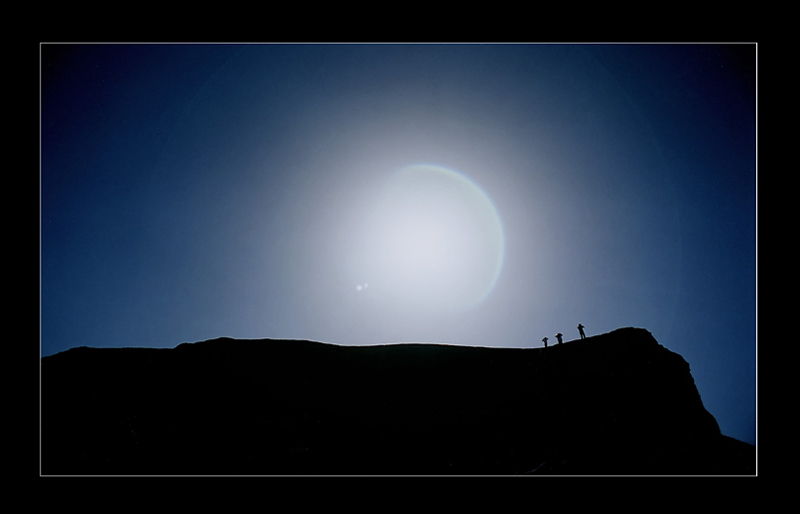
{"x":558,"y":336}
{"x":580,"y":329}
{"x":545,"y":341}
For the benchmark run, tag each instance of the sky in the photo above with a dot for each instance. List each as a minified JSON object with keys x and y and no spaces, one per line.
{"x":470,"y":194}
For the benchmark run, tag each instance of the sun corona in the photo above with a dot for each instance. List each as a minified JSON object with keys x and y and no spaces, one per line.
{"x":436,"y":240}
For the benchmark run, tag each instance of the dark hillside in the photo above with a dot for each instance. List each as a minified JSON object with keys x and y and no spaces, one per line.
{"x":617,"y":403}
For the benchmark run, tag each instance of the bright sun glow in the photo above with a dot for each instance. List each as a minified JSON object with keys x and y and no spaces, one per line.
{"x":435,"y":241}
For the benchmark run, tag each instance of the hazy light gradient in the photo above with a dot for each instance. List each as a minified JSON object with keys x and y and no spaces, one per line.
{"x":196,"y":191}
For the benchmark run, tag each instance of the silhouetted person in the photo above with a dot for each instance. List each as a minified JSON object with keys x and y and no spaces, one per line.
{"x":545,"y":342}
{"x":558,"y":336}
{"x":580,"y":329}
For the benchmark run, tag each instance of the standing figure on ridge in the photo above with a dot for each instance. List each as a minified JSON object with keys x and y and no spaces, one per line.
{"x":580,"y":329}
{"x":558,"y":336}
{"x":545,"y":341}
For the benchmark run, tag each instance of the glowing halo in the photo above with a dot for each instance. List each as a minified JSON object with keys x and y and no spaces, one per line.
{"x":436,"y":240}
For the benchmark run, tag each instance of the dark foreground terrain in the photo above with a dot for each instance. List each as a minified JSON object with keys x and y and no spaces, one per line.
{"x":617,"y":403}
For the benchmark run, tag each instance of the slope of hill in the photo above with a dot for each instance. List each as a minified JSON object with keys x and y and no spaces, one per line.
{"x":616,"y":403}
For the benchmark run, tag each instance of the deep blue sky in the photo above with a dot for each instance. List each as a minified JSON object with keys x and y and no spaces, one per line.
{"x":196,"y":191}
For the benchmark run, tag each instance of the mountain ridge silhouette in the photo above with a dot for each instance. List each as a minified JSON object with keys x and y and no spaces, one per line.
{"x":612,"y":404}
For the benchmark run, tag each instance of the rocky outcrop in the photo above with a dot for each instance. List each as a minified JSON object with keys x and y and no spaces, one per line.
{"x":617,"y":403}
